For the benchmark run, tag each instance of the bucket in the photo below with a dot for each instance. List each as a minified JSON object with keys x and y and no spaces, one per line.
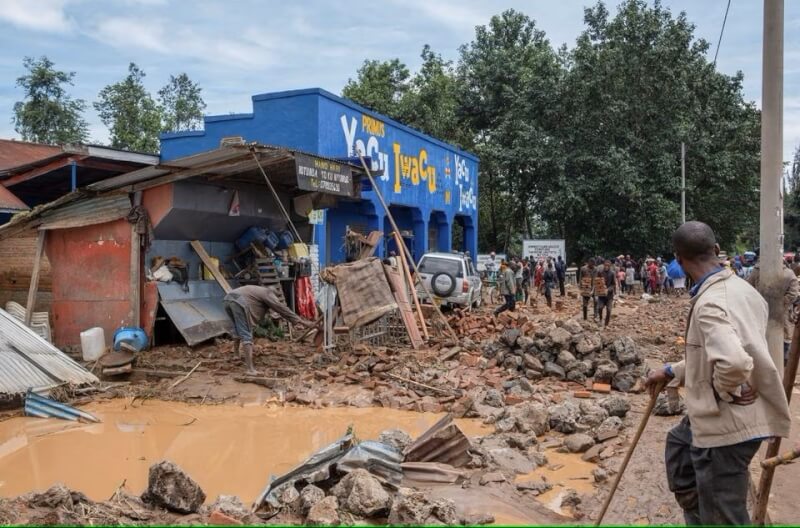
{"x":93,"y":343}
{"x":253,"y":234}
{"x":134,"y":337}
{"x":272,"y":241}
{"x":286,"y":239}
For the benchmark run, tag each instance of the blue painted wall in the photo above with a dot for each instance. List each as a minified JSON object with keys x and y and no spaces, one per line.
{"x":426,"y":181}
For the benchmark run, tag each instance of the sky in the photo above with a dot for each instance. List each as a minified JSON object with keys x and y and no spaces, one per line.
{"x":237,"y":48}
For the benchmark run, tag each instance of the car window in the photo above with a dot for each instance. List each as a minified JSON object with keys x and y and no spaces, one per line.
{"x":433,"y":265}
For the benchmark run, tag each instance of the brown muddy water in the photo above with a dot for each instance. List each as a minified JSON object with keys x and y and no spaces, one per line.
{"x":565,"y":471}
{"x":227,"y":449}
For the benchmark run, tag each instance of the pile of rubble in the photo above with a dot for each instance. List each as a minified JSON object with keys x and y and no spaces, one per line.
{"x":568,"y":352}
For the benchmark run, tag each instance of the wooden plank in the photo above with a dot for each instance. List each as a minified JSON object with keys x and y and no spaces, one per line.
{"x":135,"y":312}
{"x":33,"y":289}
{"x":208,"y":263}
{"x":401,"y":263}
{"x":399,"y":289}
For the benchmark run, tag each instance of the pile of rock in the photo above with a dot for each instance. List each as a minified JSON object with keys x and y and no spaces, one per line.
{"x":567,"y":351}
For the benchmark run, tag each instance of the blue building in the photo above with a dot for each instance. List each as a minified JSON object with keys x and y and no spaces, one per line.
{"x":430,"y":186}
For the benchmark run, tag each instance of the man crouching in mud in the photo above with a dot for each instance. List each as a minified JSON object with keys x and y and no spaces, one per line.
{"x":247,"y":305}
{"x":734,"y":394}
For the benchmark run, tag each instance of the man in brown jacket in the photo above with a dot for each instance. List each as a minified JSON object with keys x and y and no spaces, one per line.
{"x":734,"y":394}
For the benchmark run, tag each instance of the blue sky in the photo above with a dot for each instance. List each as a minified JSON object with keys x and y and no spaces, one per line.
{"x":237,"y":48}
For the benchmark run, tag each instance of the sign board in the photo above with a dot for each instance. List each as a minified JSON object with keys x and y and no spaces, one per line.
{"x":482,"y":258}
{"x":325,"y":176}
{"x":316,"y":217}
{"x":541,"y":249}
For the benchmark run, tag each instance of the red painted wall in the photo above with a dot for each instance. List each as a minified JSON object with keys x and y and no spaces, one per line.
{"x":90,"y":269}
{"x":158,"y":202}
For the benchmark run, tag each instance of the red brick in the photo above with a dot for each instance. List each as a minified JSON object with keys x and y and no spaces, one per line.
{"x":601,"y":387}
{"x":220,"y":519}
{"x":582,"y":394}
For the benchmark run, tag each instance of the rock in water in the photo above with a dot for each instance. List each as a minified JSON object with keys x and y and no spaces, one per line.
{"x":414,"y":508}
{"x":396,"y":438}
{"x":362,"y":494}
{"x":57,"y":496}
{"x":231,"y":506}
{"x":578,"y":443}
{"x":530,"y":417}
{"x":324,"y":513}
{"x":169,"y":487}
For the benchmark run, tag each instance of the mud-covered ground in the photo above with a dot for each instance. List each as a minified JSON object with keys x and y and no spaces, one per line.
{"x":448,"y":376}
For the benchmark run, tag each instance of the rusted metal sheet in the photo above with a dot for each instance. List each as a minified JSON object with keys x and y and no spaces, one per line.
{"x":444,"y":442}
{"x":88,"y":212}
{"x":90,"y":269}
{"x":431,"y":473}
{"x":381,"y":460}
{"x":197,"y":314}
{"x":28,"y":361}
{"x":15,"y":154}
{"x":9,"y":203}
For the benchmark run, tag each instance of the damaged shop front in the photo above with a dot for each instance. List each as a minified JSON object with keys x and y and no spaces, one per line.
{"x":158,"y":248}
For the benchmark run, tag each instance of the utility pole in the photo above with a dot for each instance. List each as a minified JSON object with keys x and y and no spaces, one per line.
{"x":683,"y":182}
{"x":771,"y":238}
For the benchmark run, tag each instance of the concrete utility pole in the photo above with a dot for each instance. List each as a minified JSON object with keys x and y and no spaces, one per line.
{"x":683,"y":182}
{"x":771,"y":244}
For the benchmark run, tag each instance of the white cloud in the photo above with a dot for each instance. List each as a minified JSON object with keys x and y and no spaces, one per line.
{"x":453,"y":14}
{"x":40,"y":15}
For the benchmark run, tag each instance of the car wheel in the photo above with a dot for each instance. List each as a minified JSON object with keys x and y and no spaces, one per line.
{"x":443,"y":284}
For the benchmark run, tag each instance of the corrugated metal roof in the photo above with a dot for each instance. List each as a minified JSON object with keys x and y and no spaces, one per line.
{"x":88,"y":212}
{"x":28,"y":361}
{"x":198,"y":314}
{"x":444,"y":442}
{"x":22,"y":153}
{"x":9,"y":203}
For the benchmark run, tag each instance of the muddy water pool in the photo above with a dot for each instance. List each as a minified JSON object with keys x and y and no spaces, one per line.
{"x":227,"y":449}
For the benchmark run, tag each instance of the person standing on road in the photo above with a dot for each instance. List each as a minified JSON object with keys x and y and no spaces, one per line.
{"x":561,"y":274}
{"x":734,"y":394}
{"x":526,"y":280}
{"x":518,"y":277}
{"x":586,"y":282}
{"x":507,"y":286}
{"x":247,"y":306}
{"x":549,"y":278}
{"x":604,"y":287}
{"x":630,"y":277}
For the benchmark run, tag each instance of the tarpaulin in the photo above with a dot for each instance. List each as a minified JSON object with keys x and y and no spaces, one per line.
{"x":305,"y":298}
{"x":674,"y":270}
{"x":364,"y":292}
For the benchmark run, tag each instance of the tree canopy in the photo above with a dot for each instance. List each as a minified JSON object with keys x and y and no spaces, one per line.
{"x":584,"y":142}
{"x":48,"y":114}
{"x":181,"y":103}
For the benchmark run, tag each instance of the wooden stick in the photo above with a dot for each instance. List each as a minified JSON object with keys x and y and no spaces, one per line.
{"x":784,"y":458}
{"x":201,"y":252}
{"x":407,"y":274}
{"x":628,"y":455}
{"x":765,"y":482}
{"x":186,"y":376}
{"x":396,"y":229}
{"x":406,"y":380}
{"x":135,"y":313}
{"x":33,"y":289}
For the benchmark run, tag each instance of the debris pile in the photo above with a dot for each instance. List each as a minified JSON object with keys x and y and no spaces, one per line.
{"x":568,"y":352}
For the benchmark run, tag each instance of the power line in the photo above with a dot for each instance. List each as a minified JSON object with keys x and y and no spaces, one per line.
{"x":721,"y":32}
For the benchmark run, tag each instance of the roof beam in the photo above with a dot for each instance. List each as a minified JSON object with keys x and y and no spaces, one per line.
{"x":44,"y":169}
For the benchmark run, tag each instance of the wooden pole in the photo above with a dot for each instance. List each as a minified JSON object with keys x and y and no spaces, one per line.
{"x":33,"y":289}
{"x":407,"y":274}
{"x":628,"y":455}
{"x":136,"y":269}
{"x":396,"y":230}
{"x":765,"y":482}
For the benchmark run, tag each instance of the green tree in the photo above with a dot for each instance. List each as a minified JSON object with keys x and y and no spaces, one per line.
{"x":182,"y":104}
{"x":130,"y":113}
{"x":48,"y":114}
{"x":380,"y":86}
{"x":508,"y":79}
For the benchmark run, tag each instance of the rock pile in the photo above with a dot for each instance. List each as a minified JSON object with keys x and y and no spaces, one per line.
{"x":567,"y":351}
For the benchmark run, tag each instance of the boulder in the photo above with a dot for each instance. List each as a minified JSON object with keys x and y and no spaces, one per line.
{"x":588,"y":343}
{"x":396,"y":438}
{"x":415,"y":508}
{"x":538,"y":458}
{"x":509,"y":337}
{"x":525,"y":343}
{"x":578,"y":443}
{"x":169,"y":487}
{"x":564,"y":417}
{"x":600,"y":475}
{"x":309,"y":497}
{"x":530,"y":417}
{"x":571,"y":498}
{"x":610,"y":428}
{"x":490,"y":350}
{"x":605,"y":371}
{"x":533,"y":375}
{"x":512,"y":362}
{"x":616,"y":405}
{"x":493,"y":398}
{"x":494,"y":476}
{"x":478,"y":519}
{"x":290,"y":497}
{"x":56,"y":496}
{"x":669,"y":404}
{"x":592,"y":414}
{"x":628,"y":379}
{"x":576,"y":375}
{"x":324,"y":513}
{"x":625,"y":352}
{"x":362,"y":494}
{"x":231,"y":506}
{"x":566,"y":359}
{"x":554,"y":370}
{"x":572,"y":326}
{"x":536,"y":486}
{"x":532,"y":362}
{"x":560,"y":337}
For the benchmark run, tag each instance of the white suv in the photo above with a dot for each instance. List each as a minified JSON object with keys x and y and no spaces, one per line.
{"x":451,"y":278}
